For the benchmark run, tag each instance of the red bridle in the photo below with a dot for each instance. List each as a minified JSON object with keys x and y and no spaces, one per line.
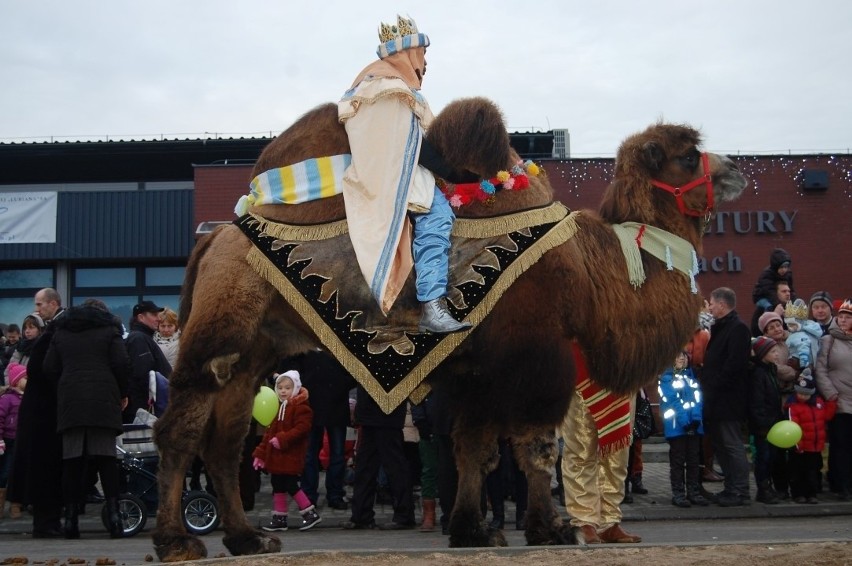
{"x":678,"y":192}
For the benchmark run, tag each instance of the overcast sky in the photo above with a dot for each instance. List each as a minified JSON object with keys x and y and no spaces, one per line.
{"x":753,"y":75}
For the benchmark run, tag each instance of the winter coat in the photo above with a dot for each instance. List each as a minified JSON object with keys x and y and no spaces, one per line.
{"x":88,"y":354}
{"x":834,"y":368}
{"x":368,"y":412}
{"x":812,"y":416}
{"x":329,"y":384}
{"x":769,"y":278}
{"x":145,"y":356}
{"x":724,"y":378}
{"x":36,"y":476}
{"x":169,"y":346}
{"x":681,"y":406}
{"x":10,"y":403}
{"x":764,"y":399}
{"x":292,"y":428}
{"x":786,"y":374}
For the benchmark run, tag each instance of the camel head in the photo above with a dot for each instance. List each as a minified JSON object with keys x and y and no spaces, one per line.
{"x":663,"y":178}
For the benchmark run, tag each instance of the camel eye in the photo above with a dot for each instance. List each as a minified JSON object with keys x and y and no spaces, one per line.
{"x":690,"y":160}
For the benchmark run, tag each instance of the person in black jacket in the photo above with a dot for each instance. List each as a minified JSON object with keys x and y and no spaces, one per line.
{"x":380,"y":445}
{"x":145,"y":356}
{"x":88,"y":357}
{"x":36,"y":477}
{"x":764,"y":410}
{"x":329,"y":384}
{"x":724,"y":382}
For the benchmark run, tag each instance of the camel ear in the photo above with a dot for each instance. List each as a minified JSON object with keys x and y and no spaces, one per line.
{"x":653,"y":156}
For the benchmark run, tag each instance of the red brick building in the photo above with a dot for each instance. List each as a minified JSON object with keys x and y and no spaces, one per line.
{"x":800,"y":203}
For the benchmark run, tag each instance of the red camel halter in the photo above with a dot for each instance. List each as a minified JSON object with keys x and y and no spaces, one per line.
{"x":678,"y":192}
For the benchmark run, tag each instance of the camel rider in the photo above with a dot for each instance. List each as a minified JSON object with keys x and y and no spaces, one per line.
{"x":389,"y":183}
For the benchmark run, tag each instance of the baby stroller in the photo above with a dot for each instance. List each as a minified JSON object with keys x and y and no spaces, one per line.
{"x":138,"y":457}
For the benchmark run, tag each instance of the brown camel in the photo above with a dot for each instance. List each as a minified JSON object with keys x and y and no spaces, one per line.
{"x":512,"y":376}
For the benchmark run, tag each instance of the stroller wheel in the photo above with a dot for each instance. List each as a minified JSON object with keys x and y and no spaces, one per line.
{"x":132,"y":511}
{"x":200,"y":512}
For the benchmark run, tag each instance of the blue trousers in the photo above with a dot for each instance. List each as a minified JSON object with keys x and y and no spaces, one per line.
{"x":432,"y":248}
{"x":334,"y":490}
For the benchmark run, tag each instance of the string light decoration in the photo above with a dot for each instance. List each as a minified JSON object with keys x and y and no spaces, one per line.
{"x":576,"y":178}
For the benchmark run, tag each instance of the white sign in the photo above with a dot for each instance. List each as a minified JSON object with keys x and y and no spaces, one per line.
{"x":28,"y":218}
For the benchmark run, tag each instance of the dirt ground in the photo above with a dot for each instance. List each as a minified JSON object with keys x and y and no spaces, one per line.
{"x":819,"y":554}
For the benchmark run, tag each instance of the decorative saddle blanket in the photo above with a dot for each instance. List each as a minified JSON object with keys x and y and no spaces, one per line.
{"x":314,"y":269}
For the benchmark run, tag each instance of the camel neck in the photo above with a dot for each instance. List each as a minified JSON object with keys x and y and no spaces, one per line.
{"x":677,"y":253}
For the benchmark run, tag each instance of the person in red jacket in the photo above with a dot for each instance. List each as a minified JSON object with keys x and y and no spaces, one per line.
{"x":282,"y":452}
{"x":811,"y":412}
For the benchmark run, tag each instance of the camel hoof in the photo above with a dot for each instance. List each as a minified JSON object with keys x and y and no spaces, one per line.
{"x":481,"y":536}
{"x":179,"y":548}
{"x":251,"y":542}
{"x":556,"y":533}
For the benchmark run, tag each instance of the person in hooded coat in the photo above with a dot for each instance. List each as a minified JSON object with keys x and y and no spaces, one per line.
{"x":88,"y":357}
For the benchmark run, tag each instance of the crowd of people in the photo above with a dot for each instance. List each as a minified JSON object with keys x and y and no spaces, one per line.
{"x":73,"y":377}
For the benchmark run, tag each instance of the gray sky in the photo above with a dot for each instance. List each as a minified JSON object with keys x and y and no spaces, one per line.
{"x":754,"y":75}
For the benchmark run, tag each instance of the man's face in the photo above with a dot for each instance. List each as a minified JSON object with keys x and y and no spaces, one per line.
{"x":717,"y":308}
{"x":149,"y":319}
{"x":821,"y":312}
{"x":783,"y":293}
{"x":45,"y":309}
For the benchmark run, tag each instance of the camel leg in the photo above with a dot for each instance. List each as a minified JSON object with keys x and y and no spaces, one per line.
{"x":221,"y":455}
{"x":535,"y":451}
{"x":178,"y":434}
{"x":476,"y":455}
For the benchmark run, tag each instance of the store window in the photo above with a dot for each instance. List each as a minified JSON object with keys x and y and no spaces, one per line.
{"x":17,"y":290}
{"x":121,"y":287}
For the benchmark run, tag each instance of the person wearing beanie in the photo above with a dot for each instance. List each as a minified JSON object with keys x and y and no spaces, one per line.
{"x":282,"y":452}
{"x":834,"y":381}
{"x":779,"y":269}
{"x":772,"y":325}
{"x":764,"y":403}
{"x":10,"y":403}
{"x":821,"y":309}
{"x":389,"y":187}
{"x":774,"y":286}
{"x":812,"y":413}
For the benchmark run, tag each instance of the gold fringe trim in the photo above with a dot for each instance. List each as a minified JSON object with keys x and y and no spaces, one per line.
{"x":559,"y":234}
{"x":613,"y":447}
{"x":497,"y":226}
{"x":298,"y":233}
{"x":415,"y":380}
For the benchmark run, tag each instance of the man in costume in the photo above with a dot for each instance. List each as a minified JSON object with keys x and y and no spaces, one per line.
{"x":597,"y":431}
{"x":390,"y":181}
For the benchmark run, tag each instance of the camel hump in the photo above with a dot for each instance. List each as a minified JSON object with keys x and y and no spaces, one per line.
{"x":317,"y":133}
{"x":471,"y":134}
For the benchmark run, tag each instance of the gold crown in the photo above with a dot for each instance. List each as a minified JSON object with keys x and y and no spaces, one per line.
{"x":403,"y":27}
{"x":797,"y":310}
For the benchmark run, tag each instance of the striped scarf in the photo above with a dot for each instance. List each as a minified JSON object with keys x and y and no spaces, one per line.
{"x":610,"y":412}
{"x":301,"y":182}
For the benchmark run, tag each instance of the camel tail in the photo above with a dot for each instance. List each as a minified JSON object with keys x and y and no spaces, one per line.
{"x":191,"y":275}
